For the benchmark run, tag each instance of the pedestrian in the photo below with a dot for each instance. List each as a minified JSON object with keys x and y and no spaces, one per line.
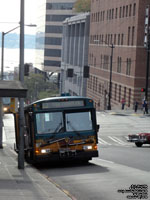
{"x":123,"y":103}
{"x":145,"y":107}
{"x":136,"y":106}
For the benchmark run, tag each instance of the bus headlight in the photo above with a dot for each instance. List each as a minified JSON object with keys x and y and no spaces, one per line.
{"x":5,"y":109}
{"x":45,"y":150}
{"x":88,"y":147}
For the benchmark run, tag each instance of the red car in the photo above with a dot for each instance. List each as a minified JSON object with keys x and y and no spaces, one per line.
{"x":139,"y":139}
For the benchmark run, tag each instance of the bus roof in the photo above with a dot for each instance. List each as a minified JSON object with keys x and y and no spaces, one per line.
{"x":61,"y":97}
{"x":57,"y":98}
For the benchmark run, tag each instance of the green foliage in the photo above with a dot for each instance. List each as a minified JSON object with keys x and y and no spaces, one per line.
{"x":39,"y":88}
{"x":82,"y":6}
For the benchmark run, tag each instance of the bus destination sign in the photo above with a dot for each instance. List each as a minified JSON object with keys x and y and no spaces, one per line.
{"x":62,"y":104}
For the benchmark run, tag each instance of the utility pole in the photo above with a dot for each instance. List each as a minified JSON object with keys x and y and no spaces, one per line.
{"x":147,"y":70}
{"x":110,"y":78}
{"x":1,"y":102}
{"x":147,"y":45}
{"x":21,"y":78}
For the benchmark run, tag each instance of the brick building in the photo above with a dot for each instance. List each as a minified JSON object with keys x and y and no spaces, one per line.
{"x":118,"y":24}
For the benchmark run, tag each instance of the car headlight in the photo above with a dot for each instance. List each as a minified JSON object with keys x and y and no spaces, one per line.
{"x":87,"y":147}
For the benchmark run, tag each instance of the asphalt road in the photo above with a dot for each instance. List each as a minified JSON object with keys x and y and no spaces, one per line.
{"x":120,"y":164}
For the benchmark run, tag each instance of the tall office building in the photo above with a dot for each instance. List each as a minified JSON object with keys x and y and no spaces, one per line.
{"x":117,"y":55}
{"x":50,"y":15}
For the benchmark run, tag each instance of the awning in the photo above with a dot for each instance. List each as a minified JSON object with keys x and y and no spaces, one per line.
{"x":12,"y":89}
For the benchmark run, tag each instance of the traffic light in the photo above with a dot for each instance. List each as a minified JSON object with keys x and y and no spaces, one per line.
{"x":26,"y":69}
{"x":69,"y":72}
{"x":142,"y":89}
{"x":86,"y":71}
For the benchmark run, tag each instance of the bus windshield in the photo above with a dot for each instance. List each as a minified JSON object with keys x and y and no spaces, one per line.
{"x":53,"y":122}
{"x":79,"y":121}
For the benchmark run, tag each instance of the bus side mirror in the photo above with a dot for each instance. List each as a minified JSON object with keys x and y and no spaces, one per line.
{"x":97,"y":127}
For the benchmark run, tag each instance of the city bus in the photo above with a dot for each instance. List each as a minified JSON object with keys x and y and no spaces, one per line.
{"x":6,"y":104}
{"x":59,"y":128}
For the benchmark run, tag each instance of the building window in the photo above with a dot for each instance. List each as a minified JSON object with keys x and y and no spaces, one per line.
{"x":59,"y":6}
{"x":115,"y":97}
{"x":119,"y":65}
{"x":123,"y":13}
{"x":101,"y":63}
{"x":126,"y":11}
{"x":114,"y":39}
{"x":108,"y":39}
{"x":116,"y":15}
{"x":96,"y":84}
{"x":111,"y":39}
{"x":112,"y":13}
{"x":107,"y":14}
{"x":120,"y":14}
{"x":100,"y":88}
{"x":128,"y":68}
{"x":133,"y":30}
{"x":103,"y":15}
{"x":125,"y":93}
{"x":119,"y":93}
{"x":134,"y":9}
{"x":129,"y":98}
{"x":93,"y":83}
{"x":130,"y":10}
{"x":106,"y":61}
{"x":129,"y":35}
{"x":118,"y":39}
{"x":122,"y":37}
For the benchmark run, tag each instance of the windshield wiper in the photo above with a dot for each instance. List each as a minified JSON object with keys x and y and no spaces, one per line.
{"x":58,"y":128}
{"x":73,"y":128}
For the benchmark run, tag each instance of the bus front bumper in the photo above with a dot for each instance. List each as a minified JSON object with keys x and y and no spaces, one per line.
{"x":59,"y":156}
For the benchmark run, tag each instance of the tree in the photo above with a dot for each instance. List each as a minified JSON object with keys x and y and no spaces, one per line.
{"x":39,"y":88}
{"x":82,"y":5}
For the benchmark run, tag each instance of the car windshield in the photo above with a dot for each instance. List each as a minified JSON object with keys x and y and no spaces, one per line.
{"x":51,"y":122}
{"x":79,"y":121}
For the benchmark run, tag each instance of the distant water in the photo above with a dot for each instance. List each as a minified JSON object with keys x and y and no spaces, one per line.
{"x":11,"y":58}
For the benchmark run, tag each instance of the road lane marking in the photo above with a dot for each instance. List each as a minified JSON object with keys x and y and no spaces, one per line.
{"x":120,"y":141}
{"x":103,"y":141}
{"x":115,"y":140}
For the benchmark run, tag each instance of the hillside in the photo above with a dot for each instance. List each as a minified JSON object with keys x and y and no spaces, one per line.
{"x":12,"y":41}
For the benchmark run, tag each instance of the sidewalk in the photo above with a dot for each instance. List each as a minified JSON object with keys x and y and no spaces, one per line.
{"x":127,"y":112}
{"x":25,"y":184}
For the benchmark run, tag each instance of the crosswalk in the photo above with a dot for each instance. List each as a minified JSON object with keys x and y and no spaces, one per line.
{"x":114,"y":141}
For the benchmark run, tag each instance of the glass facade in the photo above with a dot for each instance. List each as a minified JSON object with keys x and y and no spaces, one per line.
{"x":59,"y":6}
{"x":56,"y":18}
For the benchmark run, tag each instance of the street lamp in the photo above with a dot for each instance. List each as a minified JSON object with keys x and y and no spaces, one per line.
{"x":110,"y":77}
{"x":2,"y":51}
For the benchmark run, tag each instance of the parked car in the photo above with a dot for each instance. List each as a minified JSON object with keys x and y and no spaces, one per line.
{"x":139,"y":139}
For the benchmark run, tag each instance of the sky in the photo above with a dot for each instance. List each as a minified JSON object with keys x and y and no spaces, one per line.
{"x":10,"y":15}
